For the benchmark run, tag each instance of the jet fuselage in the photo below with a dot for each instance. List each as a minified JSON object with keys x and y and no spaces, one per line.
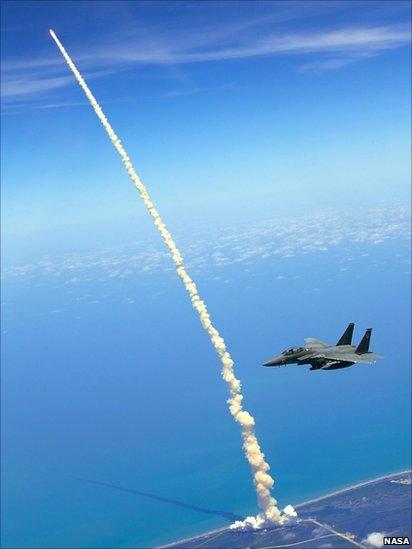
{"x":323,"y":356}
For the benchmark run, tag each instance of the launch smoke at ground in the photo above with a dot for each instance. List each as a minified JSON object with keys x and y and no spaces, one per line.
{"x":270,"y":514}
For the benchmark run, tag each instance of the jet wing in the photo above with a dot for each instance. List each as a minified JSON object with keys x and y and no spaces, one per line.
{"x":349,"y":357}
{"x":310,"y":342}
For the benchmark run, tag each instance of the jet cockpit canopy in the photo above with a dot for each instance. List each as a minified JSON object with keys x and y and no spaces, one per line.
{"x":293,"y":351}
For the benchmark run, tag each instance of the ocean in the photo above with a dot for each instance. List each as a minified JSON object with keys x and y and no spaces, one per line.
{"x":108,"y":377}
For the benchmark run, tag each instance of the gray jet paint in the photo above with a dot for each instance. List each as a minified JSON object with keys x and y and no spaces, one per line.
{"x":322,"y":356}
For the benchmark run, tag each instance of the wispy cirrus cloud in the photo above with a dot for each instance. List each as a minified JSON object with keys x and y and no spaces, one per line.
{"x":25,"y":85}
{"x":18,"y":85}
{"x":325,"y":49}
{"x":353,"y":41}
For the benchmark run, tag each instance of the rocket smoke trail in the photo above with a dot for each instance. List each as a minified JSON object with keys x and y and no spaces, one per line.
{"x":270,"y":514}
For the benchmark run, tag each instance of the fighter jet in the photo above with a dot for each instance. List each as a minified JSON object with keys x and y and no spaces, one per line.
{"x":322,"y":356}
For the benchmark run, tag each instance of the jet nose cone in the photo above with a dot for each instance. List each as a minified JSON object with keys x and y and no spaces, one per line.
{"x":273,"y":362}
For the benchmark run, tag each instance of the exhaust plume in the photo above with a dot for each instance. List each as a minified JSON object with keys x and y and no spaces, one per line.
{"x":270,"y":514}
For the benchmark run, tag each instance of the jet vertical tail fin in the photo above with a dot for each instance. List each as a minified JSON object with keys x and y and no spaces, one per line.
{"x":346,"y":338}
{"x":363,"y":346}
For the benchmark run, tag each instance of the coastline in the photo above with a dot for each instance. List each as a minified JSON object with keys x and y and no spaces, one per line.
{"x":352,"y":487}
{"x":306,"y":502}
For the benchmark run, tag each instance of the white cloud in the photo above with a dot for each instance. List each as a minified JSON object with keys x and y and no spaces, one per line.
{"x":247,"y":245}
{"x":26,"y":85}
{"x":355,"y":41}
{"x":375,"y":539}
{"x":328,"y":49}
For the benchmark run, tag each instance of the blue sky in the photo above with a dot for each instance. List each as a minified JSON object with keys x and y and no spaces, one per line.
{"x":229,"y":110}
